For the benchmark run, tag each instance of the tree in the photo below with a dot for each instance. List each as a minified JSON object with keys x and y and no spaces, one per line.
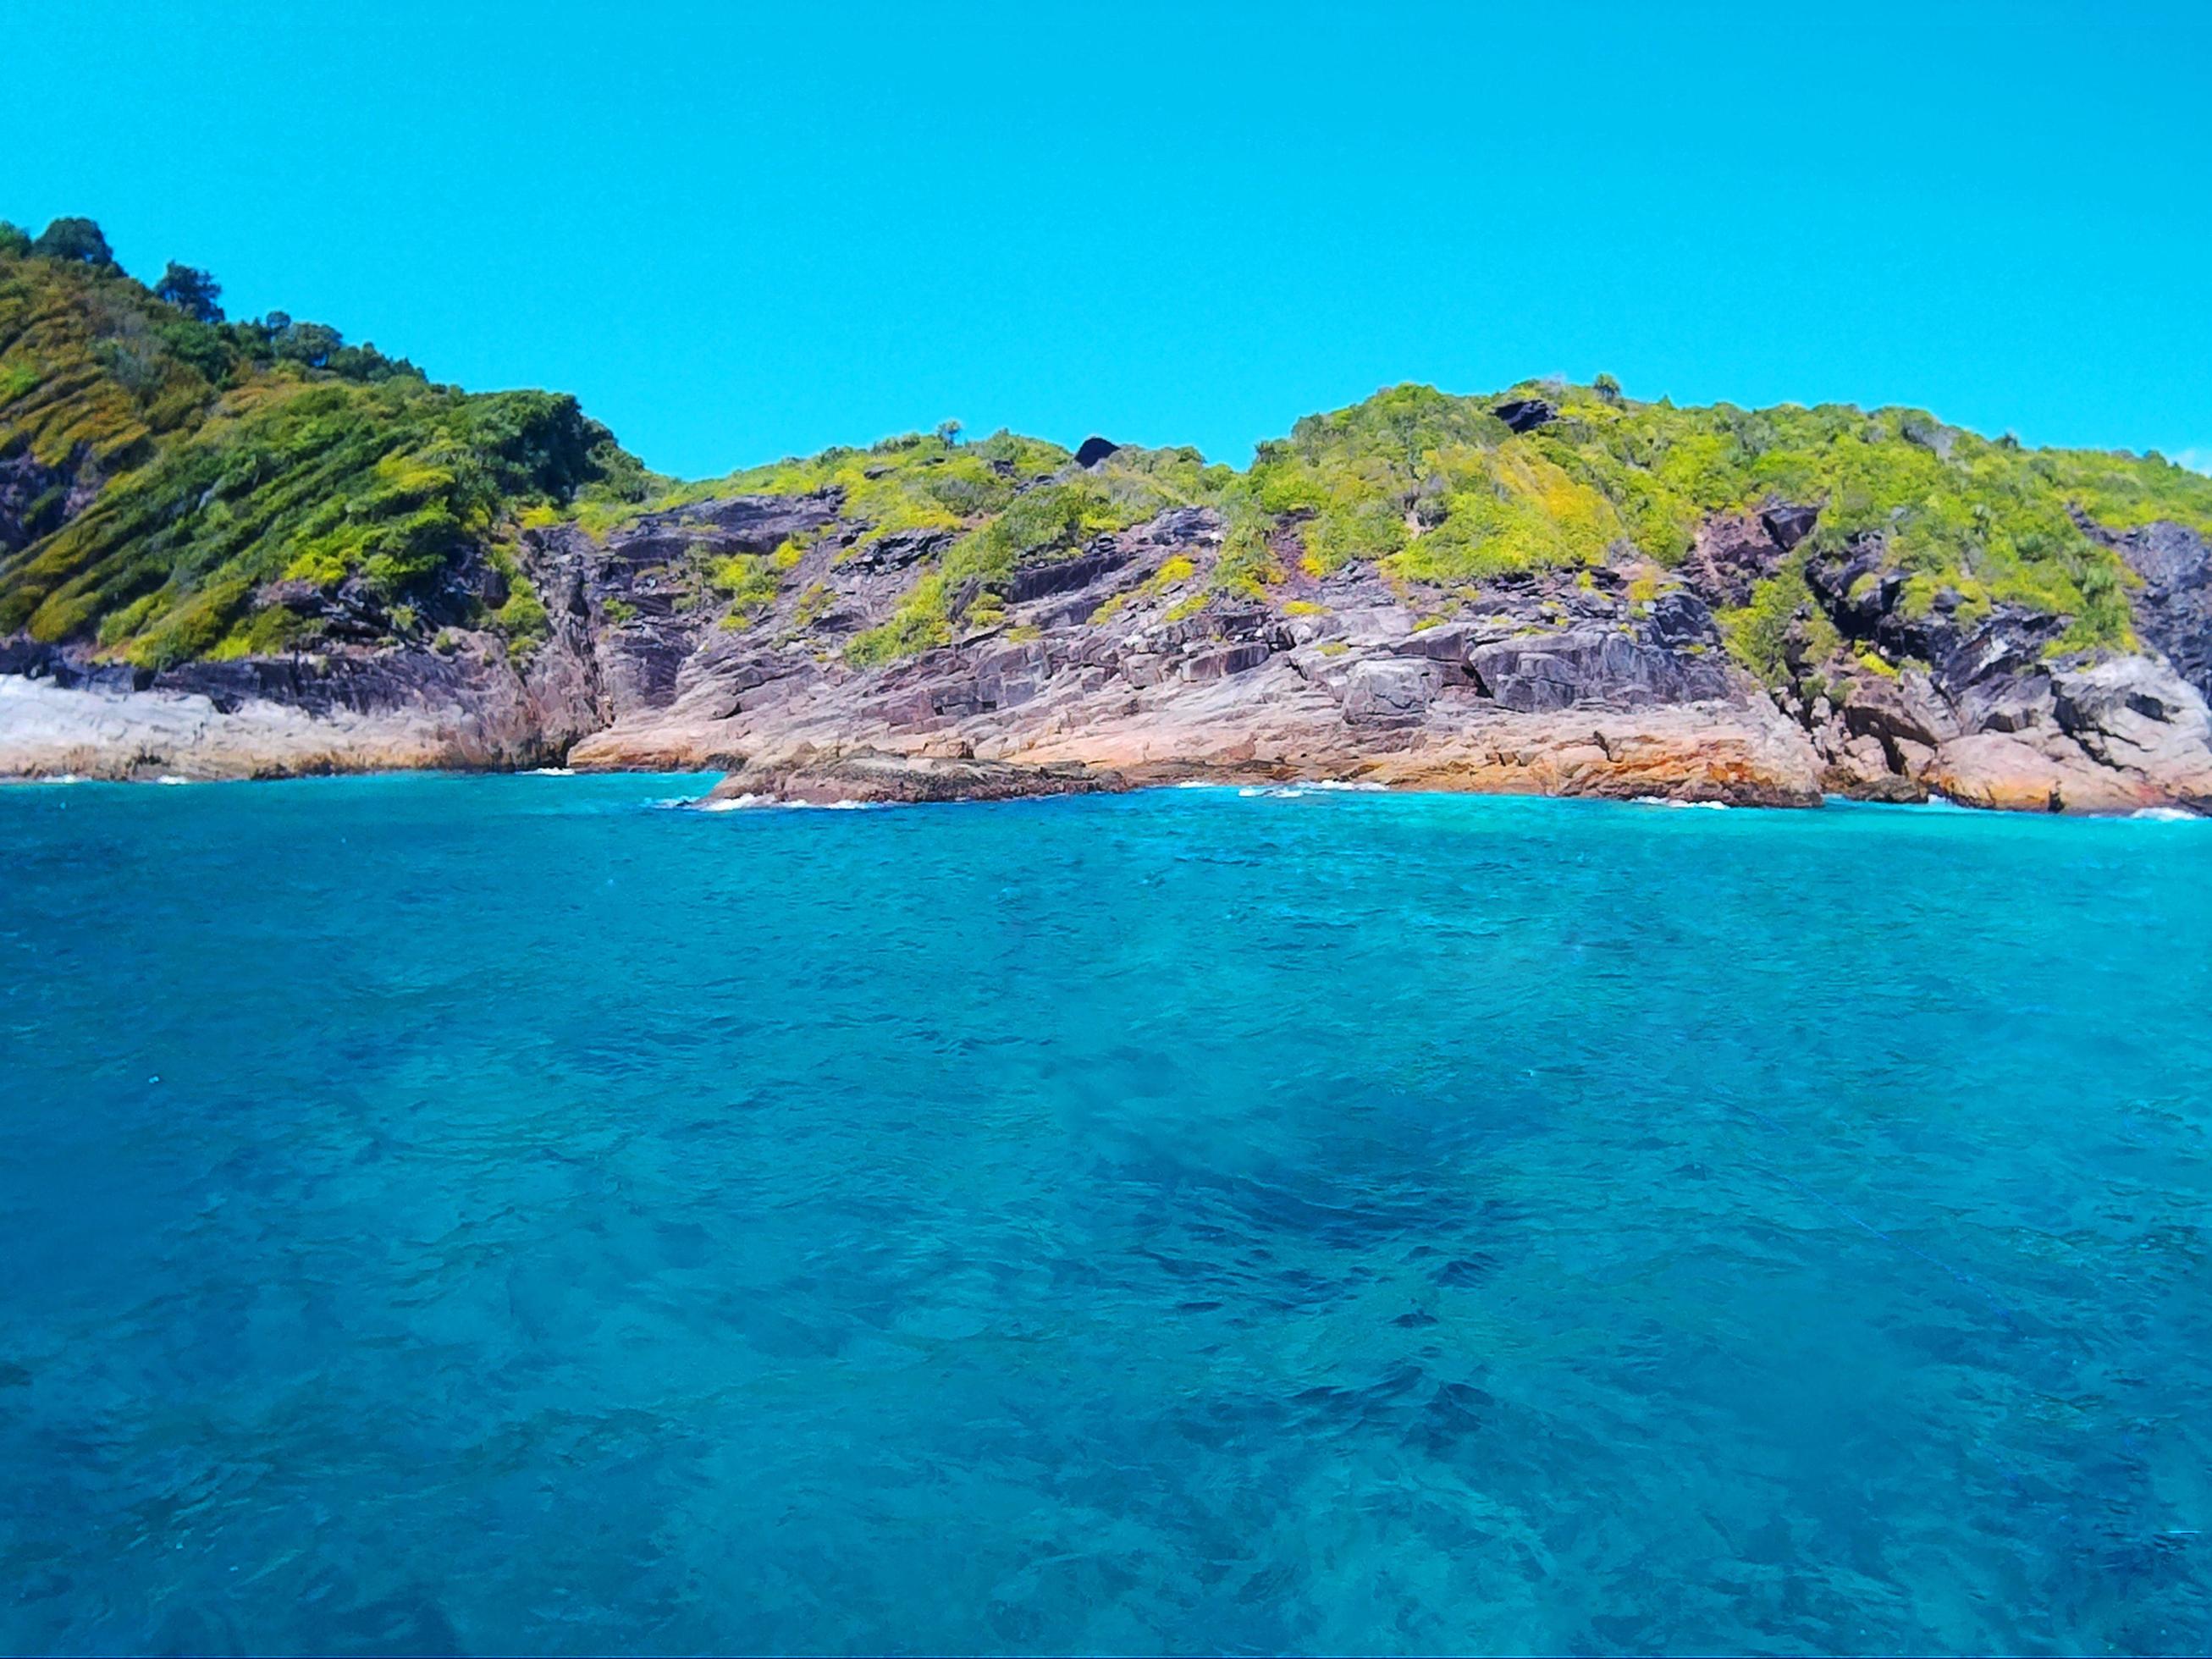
{"x":312,"y":344}
{"x":192,"y":291}
{"x":948,"y":432}
{"x":14,"y":239}
{"x":77,"y":241}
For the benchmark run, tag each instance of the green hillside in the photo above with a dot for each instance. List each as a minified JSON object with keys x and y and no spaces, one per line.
{"x":235,"y":470}
{"x":224,"y":457}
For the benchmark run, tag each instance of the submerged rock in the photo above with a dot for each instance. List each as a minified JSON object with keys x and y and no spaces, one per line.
{"x":877,"y":776}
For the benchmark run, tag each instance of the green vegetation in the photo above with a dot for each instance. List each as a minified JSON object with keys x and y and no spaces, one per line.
{"x":303,"y":484}
{"x":191,"y":291}
{"x":912,"y":482}
{"x":1758,"y":633}
{"x":748,"y":583}
{"x":74,"y":241}
{"x":523,"y":618}
{"x":1437,"y":491}
{"x":1051,"y":519}
{"x":250,"y":468}
{"x":244,"y":476}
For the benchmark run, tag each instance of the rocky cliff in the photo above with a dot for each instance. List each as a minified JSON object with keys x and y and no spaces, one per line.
{"x":1099,"y":671}
{"x":1556,"y":589}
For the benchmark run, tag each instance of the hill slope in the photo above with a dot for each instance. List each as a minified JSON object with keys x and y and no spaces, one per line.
{"x":171,"y":489}
{"x":301,"y":554}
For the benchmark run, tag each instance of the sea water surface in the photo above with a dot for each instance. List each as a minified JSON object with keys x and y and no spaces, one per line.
{"x":492,"y":1213}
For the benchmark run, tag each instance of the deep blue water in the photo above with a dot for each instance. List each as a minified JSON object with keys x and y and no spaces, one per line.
{"x":494,"y":1213}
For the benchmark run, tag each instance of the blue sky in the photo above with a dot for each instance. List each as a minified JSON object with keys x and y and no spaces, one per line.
{"x":739,"y":231}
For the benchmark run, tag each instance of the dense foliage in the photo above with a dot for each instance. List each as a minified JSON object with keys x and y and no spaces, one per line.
{"x":1437,"y":489}
{"x":250,"y":479}
{"x":1439,"y":493}
{"x":307,"y":486}
{"x":242,"y":476}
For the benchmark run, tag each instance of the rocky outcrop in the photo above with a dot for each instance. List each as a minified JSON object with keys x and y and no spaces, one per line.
{"x":1990,"y":709}
{"x":1118,"y":662}
{"x":1549,"y":685}
{"x":1527,"y":414}
{"x":1734,"y":552}
{"x":51,"y":729}
{"x":873,"y":776}
{"x":2173,"y":607}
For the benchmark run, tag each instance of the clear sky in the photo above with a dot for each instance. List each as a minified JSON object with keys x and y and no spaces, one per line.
{"x":739,"y":231}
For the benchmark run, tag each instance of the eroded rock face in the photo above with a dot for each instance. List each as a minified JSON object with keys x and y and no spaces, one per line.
{"x":1540,"y":672}
{"x":1546,"y":683}
{"x":1391,"y":690}
{"x":1114,"y":662}
{"x":1788,"y":526}
{"x":1994,"y":711}
{"x":2174,"y":611}
{"x":1733,"y":553}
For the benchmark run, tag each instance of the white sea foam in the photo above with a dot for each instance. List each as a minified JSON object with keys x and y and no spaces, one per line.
{"x":552,"y":772}
{"x":2165,"y":814}
{"x":170,"y":777}
{"x":749,"y":803}
{"x":1662,"y":801}
{"x":1303,"y":786}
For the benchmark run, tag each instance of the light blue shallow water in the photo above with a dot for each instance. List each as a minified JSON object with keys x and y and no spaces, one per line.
{"x":496,"y":1213}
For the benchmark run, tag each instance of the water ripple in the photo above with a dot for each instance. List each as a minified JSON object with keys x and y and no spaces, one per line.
{"x":1297,"y":1219}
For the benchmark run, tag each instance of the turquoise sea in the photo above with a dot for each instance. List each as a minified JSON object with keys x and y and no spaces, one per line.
{"x":491,"y":1213}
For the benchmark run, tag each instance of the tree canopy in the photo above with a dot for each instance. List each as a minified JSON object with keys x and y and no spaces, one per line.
{"x":75,"y":240}
{"x":192,"y":291}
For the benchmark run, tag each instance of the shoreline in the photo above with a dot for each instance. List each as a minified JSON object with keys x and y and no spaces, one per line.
{"x":823,"y":736}
{"x":1110,"y":669}
{"x":905,"y":779}
{"x":712,"y":803}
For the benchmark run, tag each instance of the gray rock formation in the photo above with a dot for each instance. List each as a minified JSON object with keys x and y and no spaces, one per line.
{"x":1116,"y":663}
{"x":1997,"y":712}
{"x":2174,"y":610}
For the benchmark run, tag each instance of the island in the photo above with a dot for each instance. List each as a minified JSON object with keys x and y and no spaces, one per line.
{"x":233,"y":550}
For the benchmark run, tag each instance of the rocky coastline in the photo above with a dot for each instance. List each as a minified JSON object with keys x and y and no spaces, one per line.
{"x":1098,"y":674}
